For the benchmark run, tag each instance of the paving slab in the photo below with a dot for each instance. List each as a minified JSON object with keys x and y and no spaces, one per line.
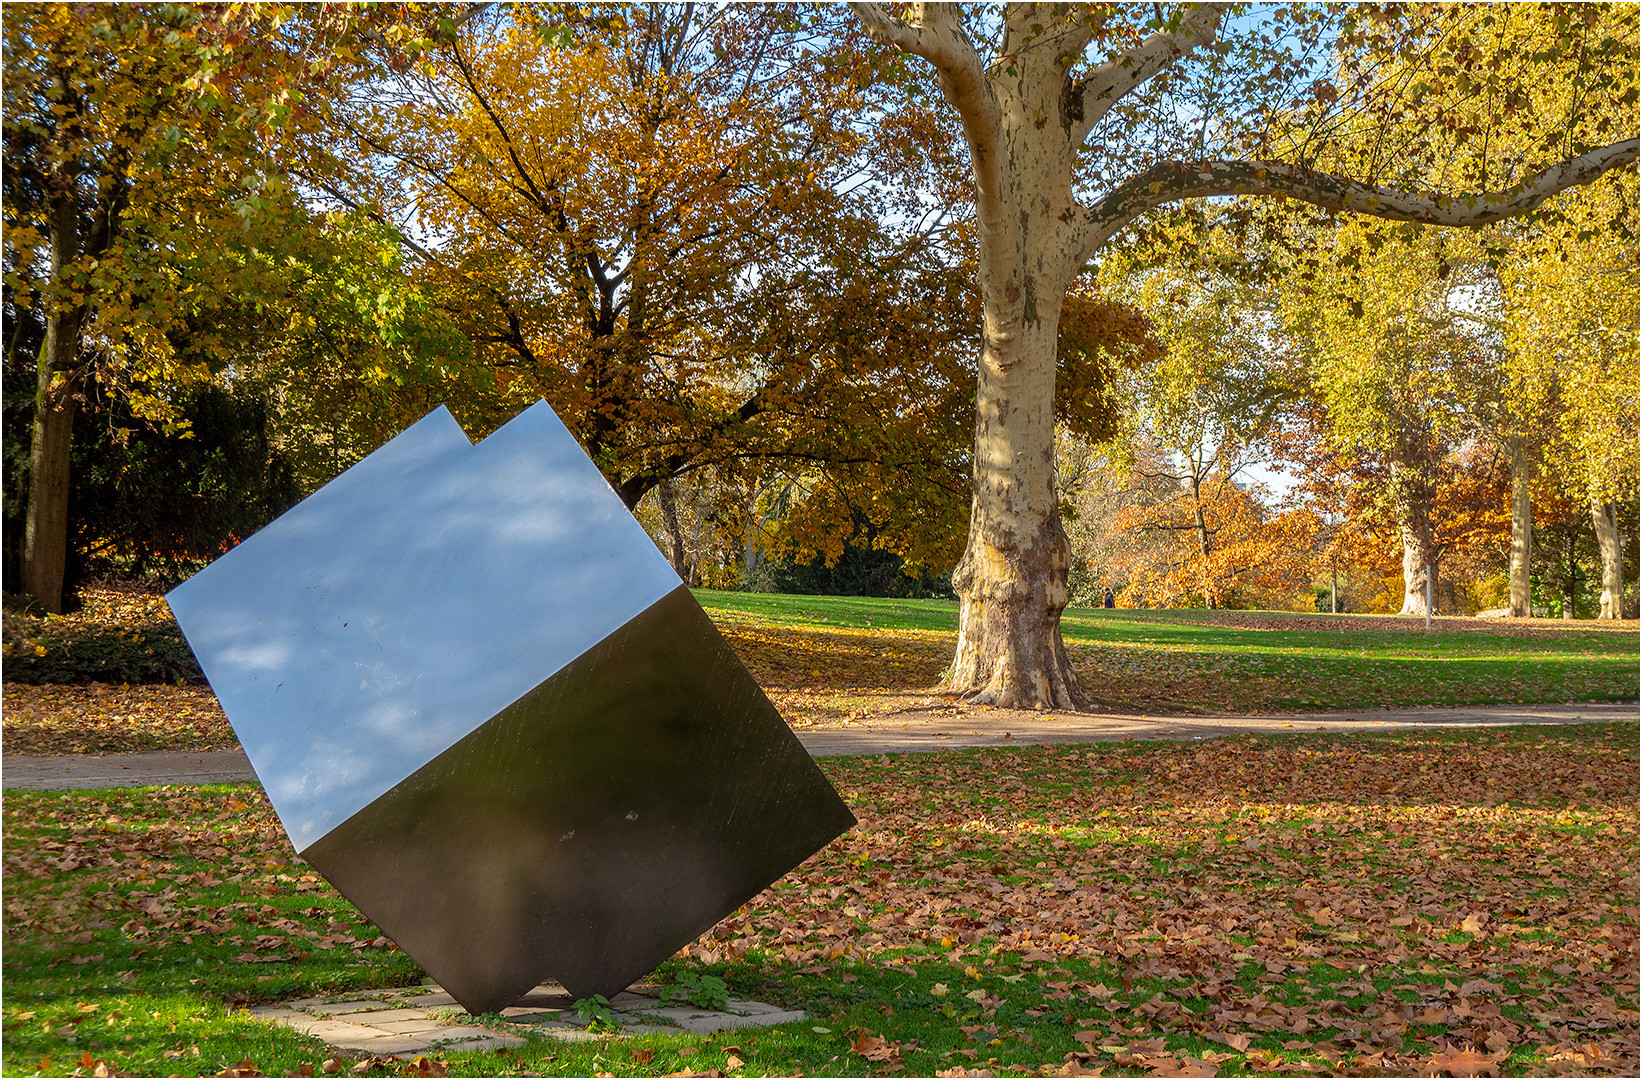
{"x":393,"y":1013}
{"x":737,"y":1014}
{"x":408,"y":1022}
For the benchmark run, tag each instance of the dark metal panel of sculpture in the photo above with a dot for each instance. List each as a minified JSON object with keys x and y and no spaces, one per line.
{"x":607,"y":818}
{"x":490,"y":714}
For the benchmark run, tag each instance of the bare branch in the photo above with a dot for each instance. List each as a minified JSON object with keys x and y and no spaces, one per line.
{"x":1171,"y":181}
{"x":1091,"y":97}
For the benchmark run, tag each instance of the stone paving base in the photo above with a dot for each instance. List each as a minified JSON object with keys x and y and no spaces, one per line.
{"x":416,"y":1020}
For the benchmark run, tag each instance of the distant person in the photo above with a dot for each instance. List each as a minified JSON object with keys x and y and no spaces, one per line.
{"x":1107,"y":600}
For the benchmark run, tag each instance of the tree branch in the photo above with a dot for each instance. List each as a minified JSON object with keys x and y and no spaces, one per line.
{"x":1093,"y":96}
{"x":935,"y":35}
{"x":1171,"y":181}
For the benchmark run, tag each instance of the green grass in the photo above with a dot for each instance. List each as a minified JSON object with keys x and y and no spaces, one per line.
{"x":1334,"y":902}
{"x":1191,"y":662}
{"x":837,"y":612}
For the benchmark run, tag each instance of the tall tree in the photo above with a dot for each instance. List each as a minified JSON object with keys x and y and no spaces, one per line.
{"x":1206,"y":403}
{"x":664,"y":219}
{"x":135,"y":138}
{"x":1456,"y":491}
{"x":1399,"y":369}
{"x":1570,"y":316}
{"x":1067,"y":151}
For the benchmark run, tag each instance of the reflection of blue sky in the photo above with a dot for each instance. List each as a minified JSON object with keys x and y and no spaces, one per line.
{"x":408,"y":601}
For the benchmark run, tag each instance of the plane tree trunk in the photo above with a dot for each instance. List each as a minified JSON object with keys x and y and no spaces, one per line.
{"x":1606,"y":521}
{"x":1012,"y":579}
{"x":1522,"y":526}
{"x":1416,"y":565}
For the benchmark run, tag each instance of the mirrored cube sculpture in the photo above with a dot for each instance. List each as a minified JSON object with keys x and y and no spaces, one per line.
{"x":487,"y":710}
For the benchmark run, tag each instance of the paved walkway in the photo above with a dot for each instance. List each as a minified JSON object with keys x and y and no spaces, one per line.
{"x":895,"y":734}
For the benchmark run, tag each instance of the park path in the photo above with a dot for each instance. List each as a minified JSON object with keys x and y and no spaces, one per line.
{"x":898,"y":733}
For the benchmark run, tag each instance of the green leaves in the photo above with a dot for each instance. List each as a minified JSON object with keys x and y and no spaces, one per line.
{"x":694,"y":988}
{"x":595,"y":1013}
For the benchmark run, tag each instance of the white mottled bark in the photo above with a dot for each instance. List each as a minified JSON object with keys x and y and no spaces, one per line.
{"x":1606,"y":521}
{"x":1414,"y":571}
{"x":1522,"y":528}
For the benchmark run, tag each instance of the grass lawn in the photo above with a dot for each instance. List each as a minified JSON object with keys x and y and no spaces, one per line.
{"x":1388,"y":904}
{"x":116,"y":676}
{"x":823,"y":658}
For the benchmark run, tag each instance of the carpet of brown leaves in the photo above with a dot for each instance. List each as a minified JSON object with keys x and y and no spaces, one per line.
{"x":95,"y":718}
{"x":1480,"y":895}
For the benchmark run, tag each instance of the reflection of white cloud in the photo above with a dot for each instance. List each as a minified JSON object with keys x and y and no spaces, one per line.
{"x":410,"y":600}
{"x":266,"y":655}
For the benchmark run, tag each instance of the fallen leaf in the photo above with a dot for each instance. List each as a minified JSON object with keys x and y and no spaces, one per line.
{"x":1467,"y":1063}
{"x":1235,"y":1040}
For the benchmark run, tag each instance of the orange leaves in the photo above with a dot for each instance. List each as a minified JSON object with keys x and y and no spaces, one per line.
{"x":1467,"y":1063}
{"x":1098,"y":340}
{"x":875,"y":1049}
{"x":1235,"y":1040}
{"x":1143,"y":535}
{"x":649,"y":226}
{"x":786,"y":658}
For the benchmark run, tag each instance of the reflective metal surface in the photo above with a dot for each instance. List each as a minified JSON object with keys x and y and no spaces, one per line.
{"x":409,"y":600}
{"x":486,"y":709}
{"x":587,"y":832}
